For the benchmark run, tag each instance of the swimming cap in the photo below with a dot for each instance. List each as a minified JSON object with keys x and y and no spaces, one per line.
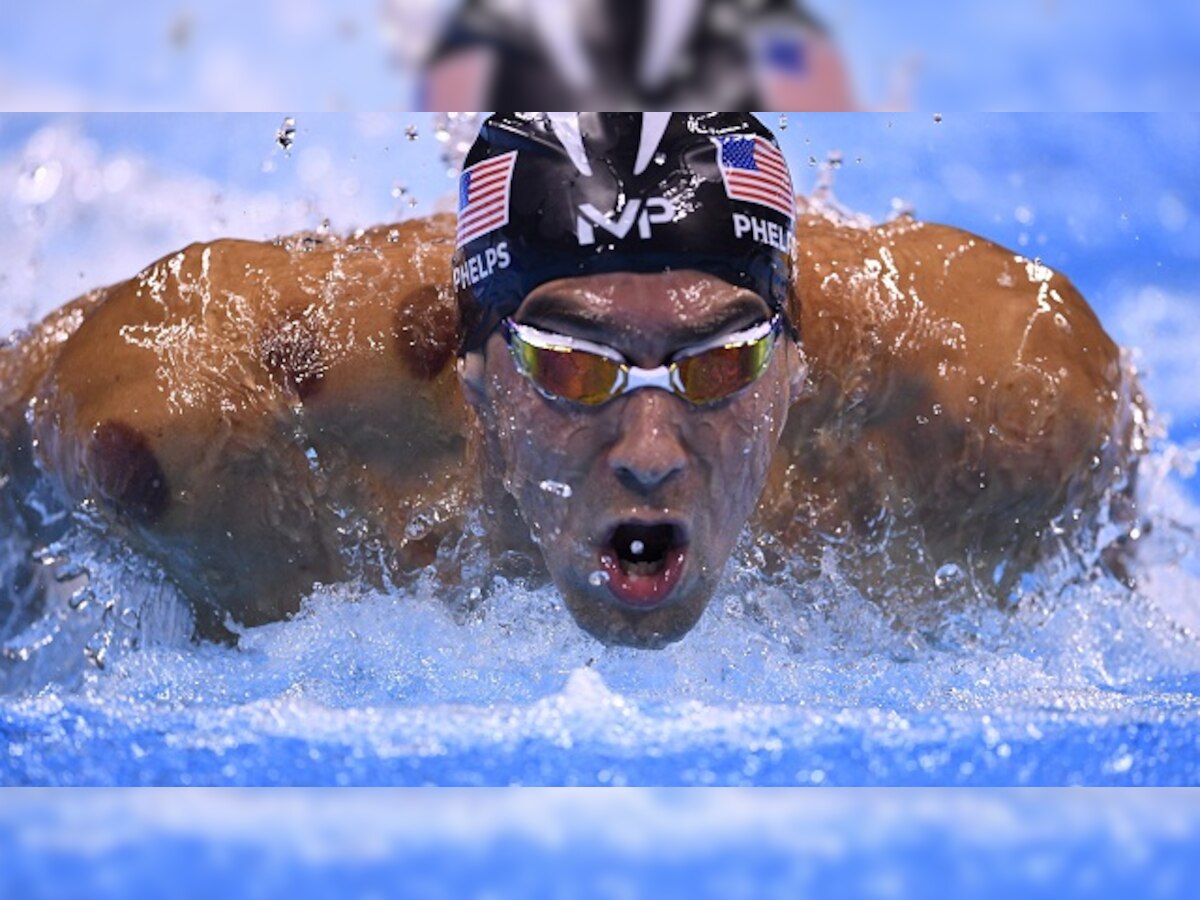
{"x":544,"y":196}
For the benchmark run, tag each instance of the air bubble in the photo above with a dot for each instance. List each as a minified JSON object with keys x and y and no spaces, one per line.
{"x":937,"y":118}
{"x":783,"y":121}
{"x":598,"y":578}
{"x":637,"y":548}
{"x":411,"y":132}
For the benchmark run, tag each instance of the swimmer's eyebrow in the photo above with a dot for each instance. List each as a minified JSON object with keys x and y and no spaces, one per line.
{"x":555,"y":313}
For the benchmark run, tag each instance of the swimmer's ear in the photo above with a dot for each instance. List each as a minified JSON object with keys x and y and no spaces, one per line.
{"x":470,"y":376}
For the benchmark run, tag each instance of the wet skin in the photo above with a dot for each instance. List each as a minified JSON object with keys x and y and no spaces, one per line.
{"x":227,"y":407}
{"x":646,"y":458}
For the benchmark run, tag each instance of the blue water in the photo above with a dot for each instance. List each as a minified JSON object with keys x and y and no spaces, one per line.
{"x":1087,"y":683}
{"x":611,"y":844}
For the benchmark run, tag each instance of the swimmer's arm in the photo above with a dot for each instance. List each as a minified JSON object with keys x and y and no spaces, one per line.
{"x":951,"y":378}
{"x":219,"y":406}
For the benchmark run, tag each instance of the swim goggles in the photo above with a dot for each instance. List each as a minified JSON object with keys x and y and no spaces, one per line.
{"x":569,"y":368}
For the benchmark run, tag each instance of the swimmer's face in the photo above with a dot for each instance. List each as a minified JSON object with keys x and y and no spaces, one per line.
{"x":636,"y":503}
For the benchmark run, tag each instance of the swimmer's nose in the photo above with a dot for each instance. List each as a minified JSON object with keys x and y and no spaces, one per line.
{"x":648,"y":452}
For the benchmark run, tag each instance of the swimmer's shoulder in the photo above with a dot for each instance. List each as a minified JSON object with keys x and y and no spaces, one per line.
{"x":236,"y":337}
{"x":938,"y":337}
{"x":889,"y":285}
{"x":231,"y":311}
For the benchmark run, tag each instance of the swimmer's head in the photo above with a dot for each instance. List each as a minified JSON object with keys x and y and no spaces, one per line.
{"x":559,"y":195}
{"x":629,"y":349}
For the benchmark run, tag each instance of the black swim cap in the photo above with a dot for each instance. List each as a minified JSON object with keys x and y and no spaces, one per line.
{"x":557,"y":195}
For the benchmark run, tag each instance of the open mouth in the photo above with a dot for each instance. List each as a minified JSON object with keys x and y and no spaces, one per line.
{"x":644,"y":562}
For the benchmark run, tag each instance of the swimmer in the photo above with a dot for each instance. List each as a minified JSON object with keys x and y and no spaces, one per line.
{"x":622,"y":54}
{"x":631,"y":346}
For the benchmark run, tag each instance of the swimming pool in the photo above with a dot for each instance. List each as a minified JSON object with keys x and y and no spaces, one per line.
{"x":1086,"y":682}
{"x":609,"y":844}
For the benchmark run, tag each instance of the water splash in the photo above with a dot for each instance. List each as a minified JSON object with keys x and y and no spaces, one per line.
{"x":455,"y":132}
{"x":285,"y":135}
{"x":792,"y":674}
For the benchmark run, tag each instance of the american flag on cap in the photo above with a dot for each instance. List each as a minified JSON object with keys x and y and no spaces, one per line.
{"x":483,"y":195}
{"x":755,"y":171}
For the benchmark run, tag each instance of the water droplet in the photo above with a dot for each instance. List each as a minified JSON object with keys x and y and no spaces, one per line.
{"x":96,"y":650}
{"x":285,"y":135}
{"x":598,"y":578}
{"x":1121,"y":764}
{"x":41,"y":183}
{"x":398,"y":191}
{"x":948,"y":576}
{"x":69,"y":572}
{"x":557,"y":488}
{"x":420,"y":525}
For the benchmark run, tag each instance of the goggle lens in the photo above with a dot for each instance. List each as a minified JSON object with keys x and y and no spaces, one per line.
{"x":576,"y":375}
{"x":717,"y":373}
{"x":561,"y":369}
